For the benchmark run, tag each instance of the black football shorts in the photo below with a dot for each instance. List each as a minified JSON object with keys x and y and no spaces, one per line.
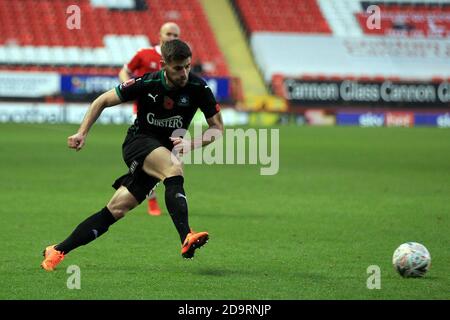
{"x":135,"y":149}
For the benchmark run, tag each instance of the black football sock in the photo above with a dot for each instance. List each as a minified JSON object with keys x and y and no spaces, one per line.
{"x":177,"y":205}
{"x":90,"y":229}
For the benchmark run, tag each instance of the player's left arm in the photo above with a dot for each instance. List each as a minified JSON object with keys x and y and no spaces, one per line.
{"x":211,"y":110}
{"x":214,"y":131}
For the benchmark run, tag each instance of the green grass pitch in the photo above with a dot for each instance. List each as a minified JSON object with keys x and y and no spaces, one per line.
{"x":344,"y":199}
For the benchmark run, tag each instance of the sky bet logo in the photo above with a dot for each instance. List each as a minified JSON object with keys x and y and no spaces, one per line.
{"x":443,"y":121}
{"x":371,"y":120}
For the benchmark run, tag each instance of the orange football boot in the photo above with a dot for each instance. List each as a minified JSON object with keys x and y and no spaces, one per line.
{"x":153,"y":207}
{"x":52,"y":258}
{"x":194,"y":240}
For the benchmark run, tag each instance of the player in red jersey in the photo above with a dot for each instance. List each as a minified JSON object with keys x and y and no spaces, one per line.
{"x":148,"y":60}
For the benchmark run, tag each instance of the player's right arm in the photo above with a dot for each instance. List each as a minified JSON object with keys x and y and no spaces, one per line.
{"x":107,"y":99}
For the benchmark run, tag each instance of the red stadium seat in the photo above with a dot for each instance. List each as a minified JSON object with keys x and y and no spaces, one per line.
{"x":45,"y":25}
{"x":302,"y":16}
{"x":411,"y":20}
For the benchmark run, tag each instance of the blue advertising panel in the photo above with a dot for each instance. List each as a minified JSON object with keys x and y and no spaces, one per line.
{"x":364,"y":119}
{"x":441,"y":120}
{"x":86,"y":84}
{"x":220,"y":88}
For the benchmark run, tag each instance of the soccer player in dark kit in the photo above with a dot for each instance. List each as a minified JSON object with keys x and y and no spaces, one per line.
{"x":167,"y":100}
{"x":148,"y":60}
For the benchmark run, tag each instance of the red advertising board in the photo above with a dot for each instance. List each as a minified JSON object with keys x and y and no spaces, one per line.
{"x":399,"y":119}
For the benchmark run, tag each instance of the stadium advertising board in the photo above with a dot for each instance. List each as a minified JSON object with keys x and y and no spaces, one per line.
{"x":318,"y":117}
{"x":79,"y":87}
{"x":220,"y":88}
{"x":28,"y":84}
{"x":31,"y":113}
{"x":364,"y":93}
{"x":392,"y":119}
{"x":84,"y":85}
{"x":25,"y":112}
{"x":363,"y":119}
{"x":441,"y":120}
{"x":399,"y":119}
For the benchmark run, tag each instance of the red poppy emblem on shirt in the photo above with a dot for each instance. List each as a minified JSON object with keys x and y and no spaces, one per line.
{"x":168,"y":103}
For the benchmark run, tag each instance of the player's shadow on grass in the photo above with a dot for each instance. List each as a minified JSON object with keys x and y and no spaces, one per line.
{"x":216,"y":272}
{"x":221,"y":272}
{"x":237,"y":215}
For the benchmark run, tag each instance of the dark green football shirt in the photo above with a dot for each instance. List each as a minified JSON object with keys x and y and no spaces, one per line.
{"x":161,"y":110}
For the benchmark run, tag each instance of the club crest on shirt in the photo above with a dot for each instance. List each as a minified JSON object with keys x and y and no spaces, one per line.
{"x":183,"y":101}
{"x":168,"y":103}
{"x":153,"y":65}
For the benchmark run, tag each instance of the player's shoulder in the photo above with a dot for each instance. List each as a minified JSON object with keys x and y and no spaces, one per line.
{"x":197,"y":81}
{"x":144,"y":50}
{"x":155,"y":49}
{"x":152,"y":76}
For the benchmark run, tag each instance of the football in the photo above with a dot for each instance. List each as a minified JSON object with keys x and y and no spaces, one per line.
{"x":411,"y":259}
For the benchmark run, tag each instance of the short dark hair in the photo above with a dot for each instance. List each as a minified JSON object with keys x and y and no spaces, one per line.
{"x":175,"y":50}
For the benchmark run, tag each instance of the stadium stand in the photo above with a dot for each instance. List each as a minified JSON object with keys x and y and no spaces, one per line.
{"x":335,"y":41}
{"x":426,"y":19}
{"x":338,"y":58}
{"x":111,"y":31}
{"x":310,"y":40}
{"x":282,"y":16}
{"x":339,"y":15}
